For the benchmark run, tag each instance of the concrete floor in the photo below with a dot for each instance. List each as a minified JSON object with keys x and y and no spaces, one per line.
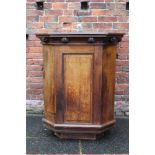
{"x":42,"y":141}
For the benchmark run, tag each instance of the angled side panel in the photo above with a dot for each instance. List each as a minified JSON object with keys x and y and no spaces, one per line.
{"x":49,"y":90}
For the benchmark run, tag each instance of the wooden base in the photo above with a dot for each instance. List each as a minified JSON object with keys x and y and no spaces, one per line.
{"x":78,"y":131}
{"x":76,"y":136}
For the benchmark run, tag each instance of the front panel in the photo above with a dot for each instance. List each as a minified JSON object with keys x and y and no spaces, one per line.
{"x":78,"y":75}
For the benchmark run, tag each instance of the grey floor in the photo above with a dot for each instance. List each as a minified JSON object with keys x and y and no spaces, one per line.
{"x":42,"y":141}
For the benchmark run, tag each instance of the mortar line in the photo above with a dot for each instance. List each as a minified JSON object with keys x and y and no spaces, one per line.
{"x":80,"y":147}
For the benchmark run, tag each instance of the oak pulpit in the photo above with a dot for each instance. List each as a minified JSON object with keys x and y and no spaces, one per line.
{"x":79,"y":82}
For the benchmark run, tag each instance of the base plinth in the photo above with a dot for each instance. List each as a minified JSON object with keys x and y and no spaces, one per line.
{"x":78,"y":131}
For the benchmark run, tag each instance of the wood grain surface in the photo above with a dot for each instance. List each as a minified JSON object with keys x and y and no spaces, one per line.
{"x":49,"y":90}
{"x":78,"y":70}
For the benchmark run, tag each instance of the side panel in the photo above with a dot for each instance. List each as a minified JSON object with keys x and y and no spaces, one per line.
{"x":109,"y":56}
{"x":49,"y":90}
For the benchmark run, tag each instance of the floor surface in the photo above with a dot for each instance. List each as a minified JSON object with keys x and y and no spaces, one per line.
{"x":42,"y":141}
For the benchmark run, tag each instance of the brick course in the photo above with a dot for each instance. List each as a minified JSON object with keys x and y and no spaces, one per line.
{"x":67,"y":16}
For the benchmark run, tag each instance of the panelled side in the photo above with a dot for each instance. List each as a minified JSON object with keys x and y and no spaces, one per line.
{"x":109,"y":56}
{"x":49,"y":92}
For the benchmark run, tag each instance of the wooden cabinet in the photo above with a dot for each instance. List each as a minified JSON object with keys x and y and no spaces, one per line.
{"x":79,"y":81}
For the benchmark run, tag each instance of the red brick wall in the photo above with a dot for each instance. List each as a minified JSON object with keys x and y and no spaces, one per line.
{"x":67,"y":16}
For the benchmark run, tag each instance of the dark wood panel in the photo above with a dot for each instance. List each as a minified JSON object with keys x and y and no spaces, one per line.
{"x":97,"y":85}
{"x":59,"y":86}
{"x":49,"y":92}
{"x":109,"y":56}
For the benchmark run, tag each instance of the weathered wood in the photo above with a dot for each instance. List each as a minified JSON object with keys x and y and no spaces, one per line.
{"x":78,"y":91}
{"x":97,"y":85}
{"x":49,"y":91}
{"x":79,"y":82}
{"x":109,"y":56}
{"x":76,"y":83}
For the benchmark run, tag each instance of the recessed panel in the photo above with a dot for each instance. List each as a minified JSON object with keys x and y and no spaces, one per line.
{"x":78,"y":72}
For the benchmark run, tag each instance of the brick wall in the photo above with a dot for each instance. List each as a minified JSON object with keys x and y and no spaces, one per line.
{"x":67,"y":16}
